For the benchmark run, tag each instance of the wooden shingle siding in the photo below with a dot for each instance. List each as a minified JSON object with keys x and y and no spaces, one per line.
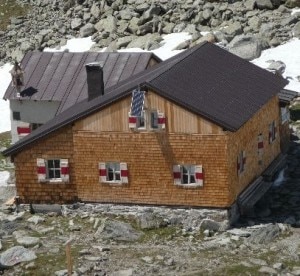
{"x":246,"y":139}
{"x":150,"y":158}
{"x":57,"y":145}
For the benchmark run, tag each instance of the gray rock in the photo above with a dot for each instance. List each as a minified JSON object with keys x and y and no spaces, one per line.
{"x":63,"y":272}
{"x":108,"y":24}
{"x":268,"y":270}
{"x":15,"y":255}
{"x":278,"y":266}
{"x":150,"y":221}
{"x":245,"y":46}
{"x":28,"y":241}
{"x":234,"y":29}
{"x":258,"y":262}
{"x":209,"y":224}
{"x":277,"y":66}
{"x":76,"y":23}
{"x":296,"y":30}
{"x":36,"y":219}
{"x":123,"y":41}
{"x":126,"y":272}
{"x":264,"y":4}
{"x":87,"y":30}
{"x":239,"y":232}
{"x":143,"y":42}
{"x":95,"y":11}
{"x":117,"y":230}
{"x":265,"y":234}
{"x":147,"y":259}
{"x":292,"y":3}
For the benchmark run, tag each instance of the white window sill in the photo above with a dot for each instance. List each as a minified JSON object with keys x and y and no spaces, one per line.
{"x":54,"y":181}
{"x":113,"y":183}
{"x":191,"y":185}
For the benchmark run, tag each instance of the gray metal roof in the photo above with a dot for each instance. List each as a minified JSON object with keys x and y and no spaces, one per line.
{"x":206,"y":80}
{"x":61,"y":76}
{"x":287,"y":96}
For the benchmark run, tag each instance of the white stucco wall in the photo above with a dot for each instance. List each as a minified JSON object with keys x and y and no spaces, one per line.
{"x":37,"y":112}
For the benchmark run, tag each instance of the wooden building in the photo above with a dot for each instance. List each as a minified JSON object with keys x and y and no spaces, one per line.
{"x":194,"y":130}
{"x":53,"y":82}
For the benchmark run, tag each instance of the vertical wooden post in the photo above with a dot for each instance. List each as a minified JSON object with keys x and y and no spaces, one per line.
{"x":69,"y":257}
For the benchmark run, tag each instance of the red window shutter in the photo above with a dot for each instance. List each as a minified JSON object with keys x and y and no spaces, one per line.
{"x":260,"y":144}
{"x":124,"y":172}
{"x":161,"y":120}
{"x":102,"y":172}
{"x":132,"y":121}
{"x":199,"y":175}
{"x":177,"y":174}
{"x":23,"y":131}
{"x":64,"y":170}
{"x":41,"y":169}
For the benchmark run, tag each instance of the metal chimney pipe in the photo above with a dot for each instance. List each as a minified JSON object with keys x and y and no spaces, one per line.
{"x":94,"y":80}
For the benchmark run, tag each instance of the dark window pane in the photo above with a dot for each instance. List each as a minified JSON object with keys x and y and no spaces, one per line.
{"x":192,"y":179}
{"x":16,"y":116}
{"x":184,"y":169}
{"x":51,"y":174}
{"x":57,"y":163}
{"x":110,"y":176}
{"x":118,"y":177}
{"x":57,"y":173}
{"x":185,"y":179}
{"x":50,"y":164}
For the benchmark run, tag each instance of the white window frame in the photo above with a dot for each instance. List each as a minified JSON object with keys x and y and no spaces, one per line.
{"x":242,"y":163}
{"x":188,"y":175}
{"x":56,"y":166}
{"x":113,"y":168}
{"x":272,"y":130}
{"x":285,"y":114}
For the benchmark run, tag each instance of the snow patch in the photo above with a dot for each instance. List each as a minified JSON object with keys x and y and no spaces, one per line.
{"x":289,"y":53}
{"x":74,"y":45}
{"x":5,"y":79}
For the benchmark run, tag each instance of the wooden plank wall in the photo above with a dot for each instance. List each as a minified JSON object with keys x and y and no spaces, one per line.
{"x":179,"y":120}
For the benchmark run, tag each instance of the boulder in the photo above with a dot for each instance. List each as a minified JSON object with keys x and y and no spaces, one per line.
{"x":292,"y":4}
{"x":95,"y":11}
{"x":150,"y":221}
{"x":296,"y":30}
{"x":277,"y":66}
{"x":209,"y":224}
{"x":245,"y":46}
{"x":36,"y":219}
{"x":264,"y":4}
{"x":87,"y":30}
{"x":15,"y":255}
{"x":28,"y":241}
{"x":108,"y":24}
{"x":144,"y":41}
{"x":117,"y":230}
{"x":265,"y":234}
{"x":234,"y":29}
{"x":76,"y":23}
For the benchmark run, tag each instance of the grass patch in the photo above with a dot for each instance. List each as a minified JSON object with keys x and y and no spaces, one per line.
{"x":8,"y":9}
{"x":240,"y":270}
{"x":164,"y":233}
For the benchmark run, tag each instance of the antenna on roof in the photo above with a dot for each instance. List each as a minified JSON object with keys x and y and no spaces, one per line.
{"x":17,"y":75}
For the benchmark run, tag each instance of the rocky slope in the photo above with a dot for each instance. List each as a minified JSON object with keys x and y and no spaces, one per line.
{"x":244,"y":27}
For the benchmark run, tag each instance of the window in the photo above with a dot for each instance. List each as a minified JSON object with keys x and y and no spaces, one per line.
{"x":16,"y":116}
{"x":285,"y":114}
{"x":114,"y":172}
{"x":272,"y":132}
{"x":53,"y":170}
{"x":151,"y":120}
{"x":260,"y":144}
{"x":190,"y":175}
{"x":241,"y":162}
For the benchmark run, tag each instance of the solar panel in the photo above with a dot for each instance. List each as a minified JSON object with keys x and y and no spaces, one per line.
{"x":137,"y":103}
